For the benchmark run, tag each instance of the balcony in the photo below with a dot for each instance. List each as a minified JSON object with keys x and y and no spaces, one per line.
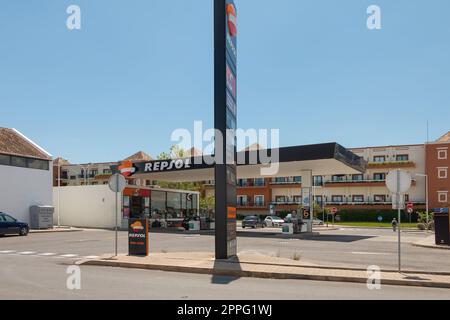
{"x":285,"y":183}
{"x":252,"y":204}
{"x":250,"y":184}
{"x":391,"y":164}
{"x":359,"y":183}
{"x":286,"y":203}
{"x":369,"y":203}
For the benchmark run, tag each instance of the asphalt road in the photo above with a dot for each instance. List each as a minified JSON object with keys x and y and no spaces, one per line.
{"x":34,"y":267}
{"x":33,"y":277}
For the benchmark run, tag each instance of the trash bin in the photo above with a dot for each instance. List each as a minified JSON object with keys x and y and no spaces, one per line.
{"x":288,"y":228}
{"x":41,"y":217}
{"x":194,"y":225}
{"x":442,"y":228}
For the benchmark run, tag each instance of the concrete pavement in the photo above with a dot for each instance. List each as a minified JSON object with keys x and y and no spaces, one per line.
{"x":259,"y":266}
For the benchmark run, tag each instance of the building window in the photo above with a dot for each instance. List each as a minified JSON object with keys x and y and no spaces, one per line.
{"x":357,"y":177}
{"x":318,"y":181}
{"x":280,"y":180}
{"x":442,"y":154}
{"x":298,"y":179}
{"x":318,"y":199}
{"x":280,"y":199}
{"x":442,"y":173}
{"x":38,"y":164}
{"x":402,"y":157}
{"x":358,"y":198}
{"x":298,"y":199}
{"x":106,"y":171}
{"x":5,"y":160}
{"x":338,"y":178}
{"x":379,"y":176}
{"x":242,"y":200}
{"x":379,"y":198}
{"x":337,"y":199}
{"x":18,"y":162}
{"x":379,"y":159}
{"x":259,"y":201}
{"x":442,"y":196}
{"x":259,"y":182}
{"x":406,"y":197}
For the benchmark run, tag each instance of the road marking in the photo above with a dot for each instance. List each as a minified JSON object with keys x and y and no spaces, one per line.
{"x":371,"y":253}
{"x":47,"y":254}
{"x":70,"y":255}
{"x":7,"y":251}
{"x":91,"y":257}
{"x":27,"y":253}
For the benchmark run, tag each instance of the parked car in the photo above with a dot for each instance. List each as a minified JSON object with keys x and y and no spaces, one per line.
{"x":273,"y":221}
{"x":10,"y":225}
{"x":318,"y":222}
{"x":252,"y":222}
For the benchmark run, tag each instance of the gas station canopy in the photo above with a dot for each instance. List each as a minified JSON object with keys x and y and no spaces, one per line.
{"x":320,"y":159}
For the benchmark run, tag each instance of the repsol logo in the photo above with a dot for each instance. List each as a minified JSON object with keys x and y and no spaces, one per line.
{"x":136,"y":235}
{"x":167,"y":165}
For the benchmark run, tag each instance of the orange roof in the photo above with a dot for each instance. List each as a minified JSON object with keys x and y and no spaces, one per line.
{"x":139,"y":156}
{"x":445,"y":138}
{"x":12,"y":142}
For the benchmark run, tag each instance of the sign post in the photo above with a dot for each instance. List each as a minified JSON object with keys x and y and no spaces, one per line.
{"x":117,"y":184}
{"x":225,"y":114}
{"x":398,"y":182}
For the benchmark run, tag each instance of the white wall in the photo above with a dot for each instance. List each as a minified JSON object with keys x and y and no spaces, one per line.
{"x":21,"y":188}
{"x":86,"y":206}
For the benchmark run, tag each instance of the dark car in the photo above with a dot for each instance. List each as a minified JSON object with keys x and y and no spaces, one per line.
{"x":10,"y":225}
{"x":252,"y":222}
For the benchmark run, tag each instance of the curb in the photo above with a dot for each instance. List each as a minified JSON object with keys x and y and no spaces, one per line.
{"x":259,"y":274}
{"x":431,"y":246}
{"x":53,"y":231}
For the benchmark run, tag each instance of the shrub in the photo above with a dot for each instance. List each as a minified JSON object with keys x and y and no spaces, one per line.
{"x":421,"y":226}
{"x":371,"y":215}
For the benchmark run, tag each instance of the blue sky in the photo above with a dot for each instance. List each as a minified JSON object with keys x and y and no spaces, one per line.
{"x":139,"y":69}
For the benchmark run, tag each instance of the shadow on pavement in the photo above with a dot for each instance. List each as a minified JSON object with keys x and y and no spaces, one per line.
{"x":219,"y":265}
{"x":337,"y":238}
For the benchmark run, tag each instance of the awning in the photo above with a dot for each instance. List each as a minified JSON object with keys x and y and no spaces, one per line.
{"x":320,"y":159}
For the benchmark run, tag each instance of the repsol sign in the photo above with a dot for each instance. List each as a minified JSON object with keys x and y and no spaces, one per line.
{"x":167,"y":165}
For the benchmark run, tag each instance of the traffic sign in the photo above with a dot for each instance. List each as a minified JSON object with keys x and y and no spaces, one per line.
{"x":334,"y":210}
{"x":398,"y":181}
{"x":117,"y":183}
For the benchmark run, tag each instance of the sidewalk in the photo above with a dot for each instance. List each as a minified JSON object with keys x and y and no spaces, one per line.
{"x":55,"y":229}
{"x":430,"y":242}
{"x":260,"y":266}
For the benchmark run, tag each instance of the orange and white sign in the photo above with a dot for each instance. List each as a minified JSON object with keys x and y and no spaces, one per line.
{"x":127,"y":169}
{"x":232,"y":19}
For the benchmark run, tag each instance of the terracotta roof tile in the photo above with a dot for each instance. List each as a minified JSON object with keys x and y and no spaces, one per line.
{"x":14,"y":143}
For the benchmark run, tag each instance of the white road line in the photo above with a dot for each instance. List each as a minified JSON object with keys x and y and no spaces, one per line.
{"x":47,"y":254}
{"x":91,"y":257}
{"x":27,"y":253}
{"x":371,"y":253}
{"x":70,"y":255}
{"x":7,"y":251}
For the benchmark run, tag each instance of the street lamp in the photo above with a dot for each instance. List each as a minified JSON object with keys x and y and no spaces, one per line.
{"x":426,"y":192}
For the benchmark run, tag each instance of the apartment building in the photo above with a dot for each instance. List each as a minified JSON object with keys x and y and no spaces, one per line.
{"x":359,"y":191}
{"x":92,"y":173}
{"x":437,"y":164}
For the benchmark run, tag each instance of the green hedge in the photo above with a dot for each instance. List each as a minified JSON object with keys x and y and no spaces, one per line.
{"x":371,"y":215}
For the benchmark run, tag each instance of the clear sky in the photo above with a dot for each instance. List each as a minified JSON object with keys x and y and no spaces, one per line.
{"x":139,"y":69}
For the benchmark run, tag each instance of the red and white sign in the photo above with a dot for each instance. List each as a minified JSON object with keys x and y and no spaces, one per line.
{"x":232,"y":19}
{"x":334,"y":210}
{"x":410,"y":207}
